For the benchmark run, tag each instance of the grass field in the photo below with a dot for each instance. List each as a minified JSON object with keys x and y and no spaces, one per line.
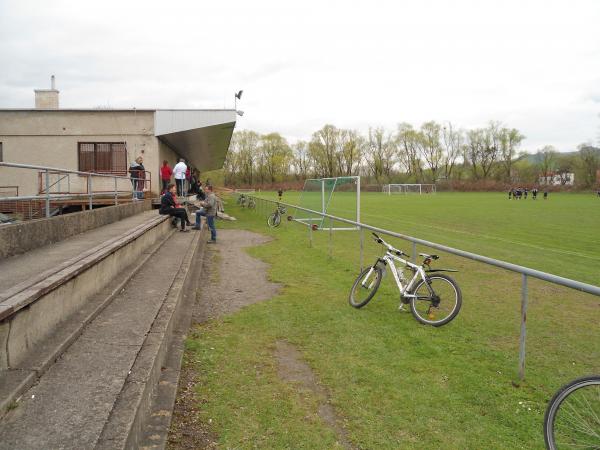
{"x":395,"y":383}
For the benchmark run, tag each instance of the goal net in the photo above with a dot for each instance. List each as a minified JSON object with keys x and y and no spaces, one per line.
{"x":408,"y":189}
{"x":338,"y":196}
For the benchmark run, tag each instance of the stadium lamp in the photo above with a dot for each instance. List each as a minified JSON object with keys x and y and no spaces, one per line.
{"x":239,"y":95}
{"x":236,"y":97}
{"x":239,"y":113}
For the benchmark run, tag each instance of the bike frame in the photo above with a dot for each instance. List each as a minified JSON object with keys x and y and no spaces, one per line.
{"x":389,"y":260}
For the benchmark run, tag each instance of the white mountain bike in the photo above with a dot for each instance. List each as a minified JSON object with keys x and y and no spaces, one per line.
{"x":435,"y":299}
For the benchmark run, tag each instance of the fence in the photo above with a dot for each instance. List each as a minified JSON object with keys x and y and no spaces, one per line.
{"x":52,"y":180}
{"x":261,"y":204}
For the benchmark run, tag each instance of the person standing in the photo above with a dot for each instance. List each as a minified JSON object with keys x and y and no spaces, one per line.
{"x":179,"y":173}
{"x":165,"y":176}
{"x":137,"y":172}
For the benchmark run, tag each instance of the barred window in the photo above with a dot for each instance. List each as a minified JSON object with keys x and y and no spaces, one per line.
{"x":103,"y":157}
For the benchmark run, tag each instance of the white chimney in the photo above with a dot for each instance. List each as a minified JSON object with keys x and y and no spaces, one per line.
{"x":47,"y":98}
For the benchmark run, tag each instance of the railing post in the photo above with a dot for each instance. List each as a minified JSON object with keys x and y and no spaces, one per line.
{"x":116,"y":194}
{"x":90,"y":190}
{"x":47,"y":193}
{"x":523,"y":327}
{"x":330,"y":238}
{"x":310,"y":231}
{"x":362,"y":244}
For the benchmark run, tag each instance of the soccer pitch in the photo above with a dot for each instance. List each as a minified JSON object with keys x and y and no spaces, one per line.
{"x":559,"y":235}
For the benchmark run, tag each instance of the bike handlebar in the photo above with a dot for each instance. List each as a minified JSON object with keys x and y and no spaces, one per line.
{"x":377,"y":239}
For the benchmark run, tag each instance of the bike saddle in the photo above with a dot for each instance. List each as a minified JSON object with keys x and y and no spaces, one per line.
{"x":425,"y":255}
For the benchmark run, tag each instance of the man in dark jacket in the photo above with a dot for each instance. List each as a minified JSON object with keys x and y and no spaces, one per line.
{"x":168,"y":205}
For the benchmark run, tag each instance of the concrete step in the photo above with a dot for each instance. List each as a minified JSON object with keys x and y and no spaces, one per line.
{"x":98,"y":393}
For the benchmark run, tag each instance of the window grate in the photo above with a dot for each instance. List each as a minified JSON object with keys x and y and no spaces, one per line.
{"x":103,"y":157}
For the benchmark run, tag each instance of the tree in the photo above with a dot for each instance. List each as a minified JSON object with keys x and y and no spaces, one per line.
{"x":474,"y":148}
{"x":546,"y":157}
{"x":351,"y":149}
{"x":510,"y":139}
{"x":590,"y":161}
{"x":408,"y":151}
{"x":380,"y":152}
{"x":322,"y":148}
{"x":452,"y":142}
{"x":430,"y":147}
{"x":301,"y":159}
{"x":276,"y":155}
{"x":245,"y":144}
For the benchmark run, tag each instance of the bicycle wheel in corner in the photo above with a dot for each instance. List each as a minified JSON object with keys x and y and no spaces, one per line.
{"x":437,"y":304}
{"x":572,"y":419}
{"x":274,"y":220}
{"x":365,"y":286}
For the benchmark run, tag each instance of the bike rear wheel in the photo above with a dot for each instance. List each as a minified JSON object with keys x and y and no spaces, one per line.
{"x":274,"y":220}
{"x":572,"y":419}
{"x":365,"y":286}
{"x":439,"y":306}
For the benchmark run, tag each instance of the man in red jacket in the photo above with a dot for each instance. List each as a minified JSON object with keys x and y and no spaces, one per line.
{"x":165,"y":175}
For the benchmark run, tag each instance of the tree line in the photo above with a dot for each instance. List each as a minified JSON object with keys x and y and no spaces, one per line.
{"x":432,"y":153}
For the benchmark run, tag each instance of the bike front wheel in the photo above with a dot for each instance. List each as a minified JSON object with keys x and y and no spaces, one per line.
{"x":274,"y":220}
{"x":572,"y":418}
{"x":438,"y":303}
{"x":365,"y":286}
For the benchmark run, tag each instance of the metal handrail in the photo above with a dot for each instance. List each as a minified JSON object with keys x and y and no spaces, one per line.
{"x":89,"y":175}
{"x":524,"y":271}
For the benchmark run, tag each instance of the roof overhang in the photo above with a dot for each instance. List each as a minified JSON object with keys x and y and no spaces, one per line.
{"x":202,"y":137}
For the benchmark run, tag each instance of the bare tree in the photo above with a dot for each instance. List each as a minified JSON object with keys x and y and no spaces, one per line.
{"x":510,"y":139}
{"x":301,"y":159}
{"x":547,"y":160}
{"x":351,"y":149}
{"x":430,"y":147}
{"x":452,"y":142}
{"x":590,"y":160}
{"x":380,"y":153}
{"x":322,"y":148}
{"x":408,"y":150}
{"x":275,"y":155}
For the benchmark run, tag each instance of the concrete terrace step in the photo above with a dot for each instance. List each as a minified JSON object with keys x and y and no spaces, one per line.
{"x":97,"y":395}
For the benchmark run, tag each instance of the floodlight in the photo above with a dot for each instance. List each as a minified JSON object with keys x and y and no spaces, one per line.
{"x":239,"y":95}
{"x":240,"y":113}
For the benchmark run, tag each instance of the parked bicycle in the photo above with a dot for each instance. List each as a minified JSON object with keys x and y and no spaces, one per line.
{"x":435,"y":299}
{"x":274,"y":219}
{"x":572,"y":419}
{"x":241,"y":200}
{"x":251,"y":203}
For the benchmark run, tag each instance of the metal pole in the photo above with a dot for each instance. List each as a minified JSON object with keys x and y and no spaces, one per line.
{"x":47,"y":194}
{"x":116,"y":194}
{"x":310,"y":244}
{"x":90,"y":190}
{"x":362,"y":244}
{"x":330,"y":238}
{"x":523,"y":327}
{"x":358,"y":199}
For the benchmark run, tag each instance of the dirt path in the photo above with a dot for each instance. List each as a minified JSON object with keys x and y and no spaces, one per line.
{"x":234,"y":280}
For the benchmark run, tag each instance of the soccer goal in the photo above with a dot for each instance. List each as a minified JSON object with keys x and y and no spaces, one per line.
{"x":390,"y":189}
{"x":338,"y":196}
{"x":245,"y":191}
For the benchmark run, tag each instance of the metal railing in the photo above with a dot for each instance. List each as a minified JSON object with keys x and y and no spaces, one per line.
{"x":524,"y":271}
{"x":45,"y":185}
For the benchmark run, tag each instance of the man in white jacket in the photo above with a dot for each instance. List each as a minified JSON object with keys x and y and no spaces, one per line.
{"x":179,"y":174}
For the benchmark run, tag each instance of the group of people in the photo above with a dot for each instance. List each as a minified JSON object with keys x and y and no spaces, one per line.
{"x":518,"y":193}
{"x":187,"y":179}
{"x":208,"y":208}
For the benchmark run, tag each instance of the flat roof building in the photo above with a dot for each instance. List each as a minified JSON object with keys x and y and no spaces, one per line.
{"x":108,"y":140}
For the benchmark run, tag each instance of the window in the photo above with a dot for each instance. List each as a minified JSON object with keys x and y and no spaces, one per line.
{"x":1,"y":155}
{"x":104,"y":157}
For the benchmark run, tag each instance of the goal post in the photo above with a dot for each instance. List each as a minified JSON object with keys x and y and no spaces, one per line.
{"x":338,"y":196}
{"x":414,"y":188}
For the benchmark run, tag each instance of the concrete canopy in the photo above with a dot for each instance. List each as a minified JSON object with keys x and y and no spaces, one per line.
{"x":202,"y":137}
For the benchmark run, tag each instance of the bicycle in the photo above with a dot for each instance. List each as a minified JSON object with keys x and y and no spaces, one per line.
{"x":241,"y":200}
{"x":572,"y":419}
{"x":274,"y":219}
{"x":251,"y":203}
{"x":435,"y":299}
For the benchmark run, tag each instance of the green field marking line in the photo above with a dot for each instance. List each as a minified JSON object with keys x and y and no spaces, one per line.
{"x":485,"y":236}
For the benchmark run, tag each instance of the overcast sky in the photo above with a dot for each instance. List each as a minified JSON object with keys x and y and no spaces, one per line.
{"x":534,"y":65}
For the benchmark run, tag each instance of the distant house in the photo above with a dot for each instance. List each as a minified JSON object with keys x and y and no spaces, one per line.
{"x":557,"y":179}
{"x":108,"y":140}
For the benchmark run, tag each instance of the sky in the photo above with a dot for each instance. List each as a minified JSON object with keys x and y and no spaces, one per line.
{"x":532,"y":65}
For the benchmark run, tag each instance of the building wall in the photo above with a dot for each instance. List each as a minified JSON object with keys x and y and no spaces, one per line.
{"x":50,"y":138}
